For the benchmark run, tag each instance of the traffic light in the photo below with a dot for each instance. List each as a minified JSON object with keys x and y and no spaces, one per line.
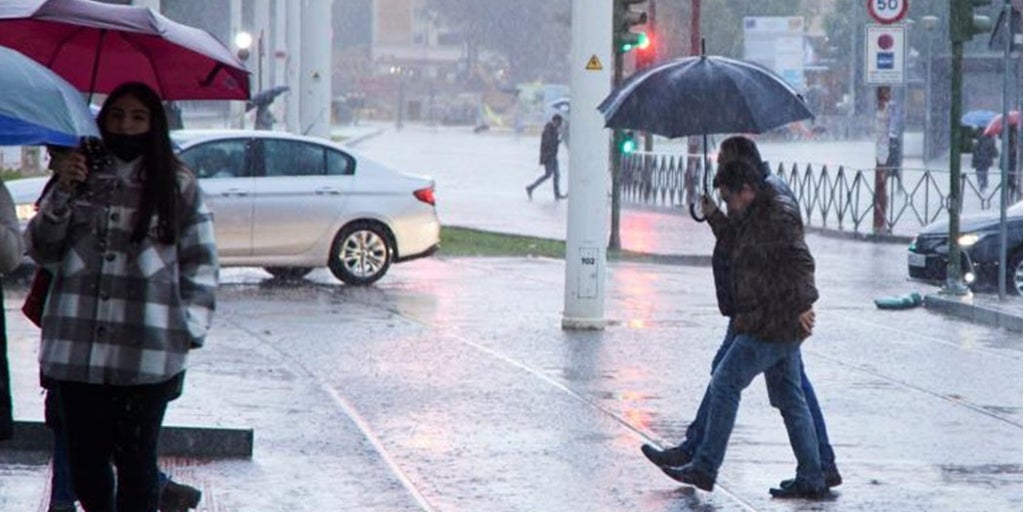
{"x":627,"y":143}
{"x":623,"y":20}
{"x":645,"y":51}
{"x":963,"y":23}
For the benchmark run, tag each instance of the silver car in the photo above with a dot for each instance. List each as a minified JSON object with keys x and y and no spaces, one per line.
{"x":290,"y":203}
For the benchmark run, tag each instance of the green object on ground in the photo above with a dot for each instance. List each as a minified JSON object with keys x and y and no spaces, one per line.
{"x":910,"y":300}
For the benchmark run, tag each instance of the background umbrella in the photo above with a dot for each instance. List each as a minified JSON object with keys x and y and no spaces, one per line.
{"x":97,"y":46}
{"x":561,"y":105}
{"x":261,"y":102}
{"x":995,"y":127}
{"x":978,"y":118}
{"x":39,"y":107}
{"x":703,"y":95}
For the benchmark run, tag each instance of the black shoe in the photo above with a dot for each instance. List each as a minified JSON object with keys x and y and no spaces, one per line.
{"x":800,"y":490}
{"x":529,"y":193}
{"x":672,"y":457}
{"x":179,"y":497}
{"x":688,"y":475}
{"x":65,"y":507}
{"x":832,"y":478}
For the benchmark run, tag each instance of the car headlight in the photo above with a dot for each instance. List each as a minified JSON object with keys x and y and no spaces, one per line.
{"x":968,"y":239}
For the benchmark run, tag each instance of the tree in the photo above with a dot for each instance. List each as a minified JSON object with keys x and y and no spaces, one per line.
{"x":531,"y":35}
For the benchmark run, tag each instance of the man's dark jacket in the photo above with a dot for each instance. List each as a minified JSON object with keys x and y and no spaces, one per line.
{"x":549,"y":143}
{"x":771,"y":270}
{"x":720,"y":255}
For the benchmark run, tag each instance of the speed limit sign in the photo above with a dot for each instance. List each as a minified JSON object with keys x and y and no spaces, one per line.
{"x":887,"y":11}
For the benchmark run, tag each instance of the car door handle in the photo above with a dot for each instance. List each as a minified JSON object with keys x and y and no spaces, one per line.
{"x":327,"y":191}
{"x":234,"y":192}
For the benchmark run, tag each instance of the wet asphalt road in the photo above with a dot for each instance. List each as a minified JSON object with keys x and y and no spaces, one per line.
{"x":455,"y":389}
{"x":450,"y":386}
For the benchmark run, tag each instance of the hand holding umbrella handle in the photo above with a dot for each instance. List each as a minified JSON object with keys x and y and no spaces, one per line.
{"x":693,"y":213}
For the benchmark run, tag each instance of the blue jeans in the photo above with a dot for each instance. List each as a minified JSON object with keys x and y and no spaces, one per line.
{"x":695,"y":431}
{"x":747,"y":358}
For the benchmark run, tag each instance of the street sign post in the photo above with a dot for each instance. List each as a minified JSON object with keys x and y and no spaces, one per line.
{"x":885,"y":63}
{"x":888,"y":11}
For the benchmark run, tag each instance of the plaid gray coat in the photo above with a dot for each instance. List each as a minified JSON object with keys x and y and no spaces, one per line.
{"x":118,"y":312}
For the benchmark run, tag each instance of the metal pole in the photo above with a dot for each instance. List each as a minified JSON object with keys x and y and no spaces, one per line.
{"x":1004,"y":170}
{"x":928,"y":100}
{"x":587,"y":228}
{"x":652,"y":15}
{"x":261,"y":31}
{"x":236,"y":109}
{"x":293,"y":65}
{"x":614,"y":242}
{"x":954,"y":274}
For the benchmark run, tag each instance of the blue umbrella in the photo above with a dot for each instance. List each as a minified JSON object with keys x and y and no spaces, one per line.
{"x":978,"y":118}
{"x":38,"y":107}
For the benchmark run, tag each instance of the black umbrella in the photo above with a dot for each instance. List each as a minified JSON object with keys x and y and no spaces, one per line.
{"x":702,"y":95}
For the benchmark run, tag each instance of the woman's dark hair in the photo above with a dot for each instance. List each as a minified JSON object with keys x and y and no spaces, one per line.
{"x":159,"y":163}
{"x":732,"y":175}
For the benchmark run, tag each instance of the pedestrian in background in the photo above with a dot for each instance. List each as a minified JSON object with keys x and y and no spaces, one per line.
{"x":983,"y":153}
{"x":894,"y":158}
{"x":130,"y":243}
{"x":741,"y":149}
{"x":772,"y":293}
{"x":1012,"y":168}
{"x":11,"y":250}
{"x":548,"y":157}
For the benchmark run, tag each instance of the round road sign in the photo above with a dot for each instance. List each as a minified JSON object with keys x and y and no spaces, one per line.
{"x":887,"y":11}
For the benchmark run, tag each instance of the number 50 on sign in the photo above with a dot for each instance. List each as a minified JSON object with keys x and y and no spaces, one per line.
{"x":887,"y":11}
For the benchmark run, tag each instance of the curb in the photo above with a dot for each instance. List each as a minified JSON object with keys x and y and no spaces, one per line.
{"x":966,"y":309}
{"x":861,"y":237}
{"x":175,"y":441}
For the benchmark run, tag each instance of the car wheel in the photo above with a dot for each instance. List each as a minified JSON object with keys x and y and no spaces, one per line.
{"x":361,"y":253}
{"x":288,"y":273}
{"x":1015,"y":272}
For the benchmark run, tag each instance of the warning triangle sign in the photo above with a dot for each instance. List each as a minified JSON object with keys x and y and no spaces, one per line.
{"x":594,"y":64}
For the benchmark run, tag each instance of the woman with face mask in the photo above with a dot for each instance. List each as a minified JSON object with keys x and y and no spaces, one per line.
{"x":131,"y":247}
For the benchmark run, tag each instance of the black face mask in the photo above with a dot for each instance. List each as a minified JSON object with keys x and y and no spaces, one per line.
{"x":126,"y":147}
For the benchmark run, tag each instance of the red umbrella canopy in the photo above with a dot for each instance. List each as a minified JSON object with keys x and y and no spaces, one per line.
{"x":97,"y":46}
{"x":995,"y":126}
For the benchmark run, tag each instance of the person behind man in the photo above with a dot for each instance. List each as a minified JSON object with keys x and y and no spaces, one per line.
{"x":771,"y":316}
{"x":739,"y":148}
{"x":983,"y":154}
{"x":131,"y":246}
{"x":11,"y":250}
{"x":548,"y":157}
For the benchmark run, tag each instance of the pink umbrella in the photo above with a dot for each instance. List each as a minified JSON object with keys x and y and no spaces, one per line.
{"x":995,"y":126}
{"x":97,"y":46}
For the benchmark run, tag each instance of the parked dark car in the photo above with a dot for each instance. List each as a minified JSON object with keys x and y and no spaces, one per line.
{"x":979,"y":240}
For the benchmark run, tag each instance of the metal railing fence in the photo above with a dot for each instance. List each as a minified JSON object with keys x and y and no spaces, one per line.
{"x":837,"y":198}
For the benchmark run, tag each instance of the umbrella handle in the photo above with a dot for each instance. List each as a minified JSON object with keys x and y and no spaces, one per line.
{"x":693,"y":213}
